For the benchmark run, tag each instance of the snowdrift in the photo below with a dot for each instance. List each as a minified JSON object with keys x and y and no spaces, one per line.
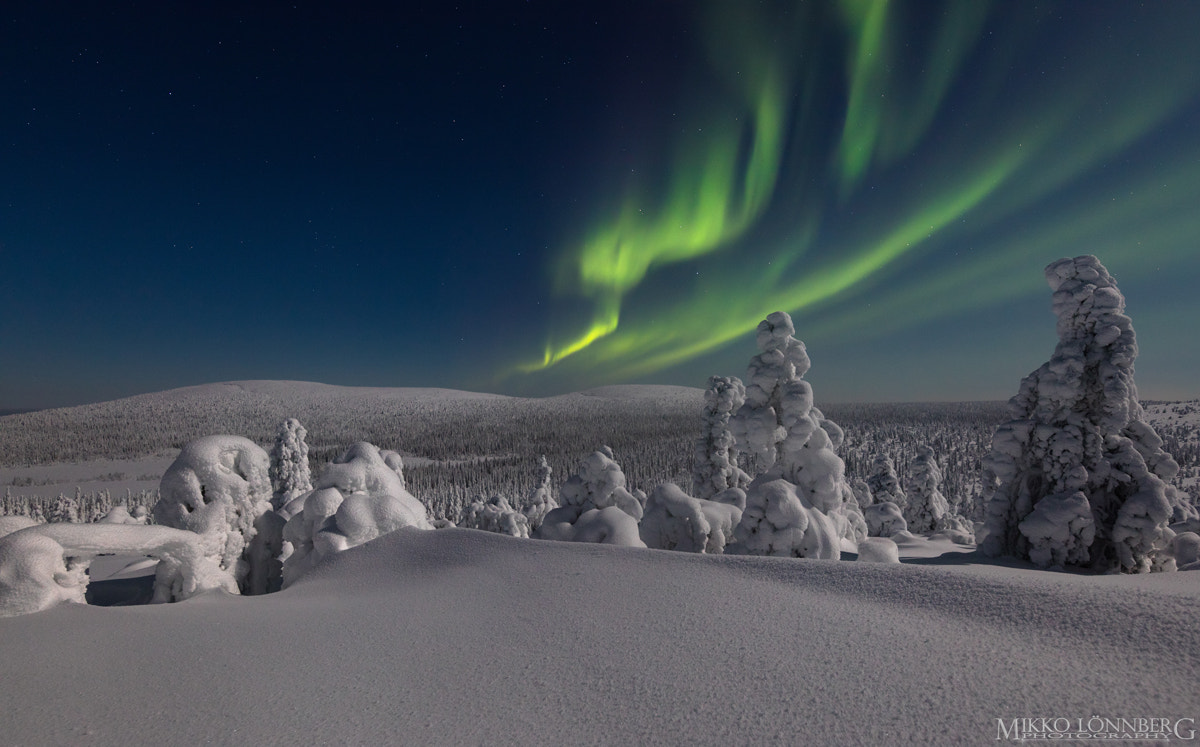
{"x":466,"y":637}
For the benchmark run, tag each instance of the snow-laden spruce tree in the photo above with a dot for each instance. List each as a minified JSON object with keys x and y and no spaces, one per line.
{"x":541,"y":499}
{"x":219,"y":485}
{"x":596,"y":506}
{"x":716,"y":468}
{"x":800,"y":505}
{"x":927,"y":507}
{"x":884,"y":484}
{"x":1081,"y":479}
{"x":290,"y":474}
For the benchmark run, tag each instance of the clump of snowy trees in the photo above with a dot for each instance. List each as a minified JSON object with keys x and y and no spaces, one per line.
{"x":1079,"y":477}
{"x":596,"y":506}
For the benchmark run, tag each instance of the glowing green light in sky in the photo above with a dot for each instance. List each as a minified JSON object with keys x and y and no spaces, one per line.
{"x":951,"y":159}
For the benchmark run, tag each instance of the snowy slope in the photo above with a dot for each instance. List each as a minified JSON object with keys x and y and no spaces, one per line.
{"x":462,"y":637}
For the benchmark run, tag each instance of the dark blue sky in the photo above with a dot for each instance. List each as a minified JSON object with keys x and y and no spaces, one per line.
{"x":533,"y":197}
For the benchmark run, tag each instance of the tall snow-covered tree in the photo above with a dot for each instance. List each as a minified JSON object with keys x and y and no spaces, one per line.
{"x":884,"y":484}
{"x":716,"y":468}
{"x":801,"y":504}
{"x":541,"y":499}
{"x":1081,"y":478}
{"x":290,"y":474}
{"x":927,"y":507}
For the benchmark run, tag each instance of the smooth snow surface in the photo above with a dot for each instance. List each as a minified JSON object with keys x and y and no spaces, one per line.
{"x":464,"y":637}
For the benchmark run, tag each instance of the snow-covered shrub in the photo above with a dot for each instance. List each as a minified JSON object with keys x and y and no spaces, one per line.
{"x":716,"y":467}
{"x":674,"y":520}
{"x":1059,"y":530}
{"x":878,"y":550}
{"x":496,"y":515}
{"x":219,"y":485}
{"x":1186,"y":549}
{"x":541,"y":499}
{"x":884,"y":519}
{"x":803,"y":491}
{"x":46,"y":564}
{"x":359,"y":496}
{"x":119,"y":514}
{"x":884,"y":484}
{"x":778,"y":520}
{"x":927,"y":508}
{"x":596,"y":506}
{"x":290,"y":474}
{"x":1077,"y":432}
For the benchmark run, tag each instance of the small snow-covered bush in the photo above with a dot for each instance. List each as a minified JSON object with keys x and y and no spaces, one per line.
{"x":884,"y":519}
{"x":675,"y":520}
{"x":596,"y":506}
{"x":1060,"y":530}
{"x":359,"y":496}
{"x":780,"y":521}
{"x":496,"y":515}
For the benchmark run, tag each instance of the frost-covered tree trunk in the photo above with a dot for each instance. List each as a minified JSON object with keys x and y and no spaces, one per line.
{"x":716,"y":467}
{"x":1081,"y":479}
{"x":290,"y":474}
{"x":927,"y":507}
{"x":801,"y":506}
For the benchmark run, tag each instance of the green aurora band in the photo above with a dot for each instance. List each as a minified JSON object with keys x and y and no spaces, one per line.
{"x":957,"y":147}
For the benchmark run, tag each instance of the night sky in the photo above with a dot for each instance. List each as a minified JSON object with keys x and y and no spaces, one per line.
{"x":539,"y":197}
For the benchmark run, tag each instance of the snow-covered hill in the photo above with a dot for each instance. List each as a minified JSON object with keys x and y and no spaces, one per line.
{"x":462,"y":637}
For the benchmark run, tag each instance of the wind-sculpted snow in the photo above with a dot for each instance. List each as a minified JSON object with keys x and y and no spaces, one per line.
{"x":463,"y":637}
{"x":1078,"y":439}
{"x":46,"y":564}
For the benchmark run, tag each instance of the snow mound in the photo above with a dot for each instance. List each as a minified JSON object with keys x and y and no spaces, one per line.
{"x":878,"y":550}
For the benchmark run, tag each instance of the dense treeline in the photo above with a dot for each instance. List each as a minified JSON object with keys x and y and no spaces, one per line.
{"x":459,"y":446}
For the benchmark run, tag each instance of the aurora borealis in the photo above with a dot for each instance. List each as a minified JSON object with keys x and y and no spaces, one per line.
{"x":533,"y":198}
